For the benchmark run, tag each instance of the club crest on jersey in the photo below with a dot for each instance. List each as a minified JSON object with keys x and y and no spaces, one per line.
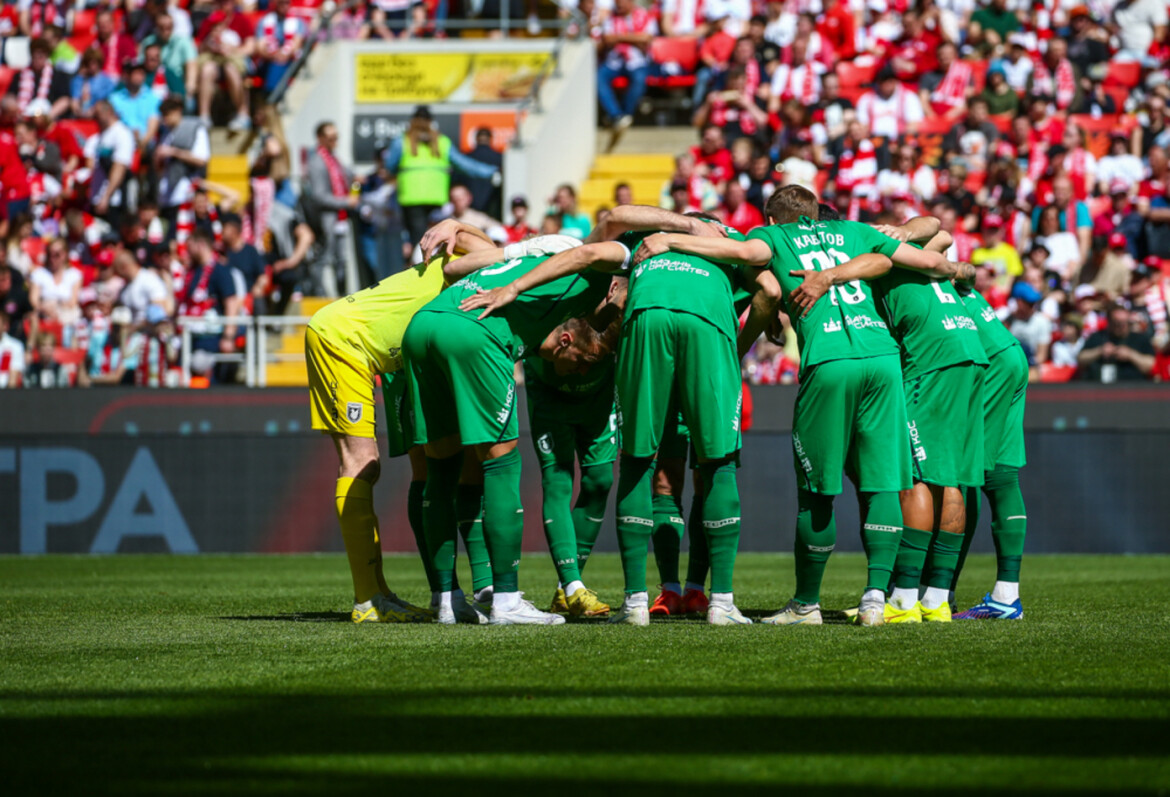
{"x":544,"y":443}
{"x":353,"y":411}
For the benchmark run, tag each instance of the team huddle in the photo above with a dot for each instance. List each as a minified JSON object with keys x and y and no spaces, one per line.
{"x":631,"y":344}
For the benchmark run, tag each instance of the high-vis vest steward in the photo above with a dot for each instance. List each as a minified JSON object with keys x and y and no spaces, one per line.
{"x":424,"y":179}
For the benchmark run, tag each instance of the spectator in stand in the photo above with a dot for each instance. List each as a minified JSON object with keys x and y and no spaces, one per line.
{"x":39,"y":155}
{"x":459,"y":208}
{"x":892,"y":110}
{"x":16,"y":196}
{"x":1072,"y":216}
{"x":91,"y":84}
{"x":37,"y":15}
{"x":19,"y":230}
{"x":519,"y":229}
{"x":1064,"y":251}
{"x":292,"y":240}
{"x":1053,"y":75}
{"x":1001,"y":99}
{"x":43,"y":370}
{"x":714,"y":55}
{"x":798,"y":164}
{"x":136,"y":105}
{"x":211,"y":288}
{"x":226,"y":40}
{"x":626,"y":37}
{"x":944,"y":91}
{"x":156,"y":75}
{"x":992,"y":23}
{"x":833,"y":111}
{"x":180,"y":158}
{"x":1149,"y":295}
{"x":1030,"y":327}
{"x":390,"y":19}
{"x":1121,"y":218}
{"x":700,"y":193}
{"x":1079,"y":164}
{"x":63,"y":56}
{"x":244,"y":259}
{"x":14,"y":300}
{"x":178,"y":57}
{"x":760,"y":181}
{"x":110,"y":157}
{"x":737,"y":212}
{"x":973,"y":138}
{"x":573,"y":222}
{"x":734,"y":13}
{"x":1111,"y":277}
{"x":1067,"y":348}
{"x":1153,"y":203}
{"x":55,"y":288}
{"x":1116,"y":353}
{"x":623,"y":194}
{"x":1119,"y":168}
{"x":996,"y":253}
{"x":144,"y":288}
{"x":1017,"y":64}
{"x":1088,"y":42}
{"x":115,"y":46}
{"x":713,"y":158}
{"x":682,"y":19}
{"x":799,"y":79}
{"x":279,"y":39}
{"x":837,"y":25}
{"x":1139,"y":24}
{"x":915,"y":53}
{"x":734,"y":110}
{"x":11,"y":354}
{"x":40,"y":81}
{"x":329,"y":190}
{"x":679,"y":199}
{"x":485,"y":191}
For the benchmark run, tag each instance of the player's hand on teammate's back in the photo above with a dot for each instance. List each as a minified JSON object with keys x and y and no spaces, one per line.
{"x":709,"y":229}
{"x":492,"y":300}
{"x":652,"y":245}
{"x":443,"y":233}
{"x":815,"y":285}
{"x":897,"y":233}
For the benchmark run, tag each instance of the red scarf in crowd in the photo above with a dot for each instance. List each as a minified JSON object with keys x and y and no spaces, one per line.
{"x":952,"y":91}
{"x":724,"y":114}
{"x":1063,"y":86}
{"x":807,"y":91}
{"x":1076,"y":165}
{"x":255,"y":226}
{"x":336,"y":178}
{"x":33,"y":89}
{"x":185,"y":223}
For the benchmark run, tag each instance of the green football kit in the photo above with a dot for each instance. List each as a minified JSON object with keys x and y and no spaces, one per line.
{"x":460,"y":371}
{"x":850,"y":414}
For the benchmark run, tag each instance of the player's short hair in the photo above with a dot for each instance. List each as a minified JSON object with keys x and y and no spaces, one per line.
{"x":705,"y":216}
{"x":588,"y":338}
{"x":788,"y":203}
{"x":826,"y":212}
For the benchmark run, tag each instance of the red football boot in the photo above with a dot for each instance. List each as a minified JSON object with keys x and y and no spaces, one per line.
{"x":694,"y":601}
{"x":667,"y":604}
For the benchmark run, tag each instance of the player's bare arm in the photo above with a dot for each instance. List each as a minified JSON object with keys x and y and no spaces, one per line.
{"x":762,"y":311}
{"x":456,"y":237}
{"x":637,"y":218}
{"x":931,"y":263}
{"x":456,"y":268}
{"x":751,"y":252}
{"x":816,"y":283}
{"x":607,"y":257}
{"x":917,"y":230}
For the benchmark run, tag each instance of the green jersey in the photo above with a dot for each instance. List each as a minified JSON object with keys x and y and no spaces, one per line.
{"x":686,"y":284}
{"x":929,"y":321}
{"x":845,"y":325}
{"x":540,"y":377}
{"x":994,"y":336}
{"x":523,"y":325}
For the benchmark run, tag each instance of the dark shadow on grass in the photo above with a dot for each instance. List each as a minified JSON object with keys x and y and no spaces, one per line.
{"x":294,"y":617}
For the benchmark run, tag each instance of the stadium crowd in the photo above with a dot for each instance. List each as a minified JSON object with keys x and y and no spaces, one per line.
{"x":1038,"y":134}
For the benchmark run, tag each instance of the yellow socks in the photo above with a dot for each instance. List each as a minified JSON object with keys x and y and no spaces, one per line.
{"x":359,"y":530}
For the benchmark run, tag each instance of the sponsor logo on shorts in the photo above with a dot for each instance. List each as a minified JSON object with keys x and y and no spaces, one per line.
{"x":798,"y":447}
{"x":637,"y":521}
{"x":879,"y":527}
{"x":738,"y":411}
{"x":353,"y":411}
{"x":916,"y":441}
{"x":544,"y":443}
{"x":503,"y":415}
{"x":718,"y":524}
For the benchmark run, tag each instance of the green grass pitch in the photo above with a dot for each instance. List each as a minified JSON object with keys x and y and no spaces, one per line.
{"x":237,"y":675}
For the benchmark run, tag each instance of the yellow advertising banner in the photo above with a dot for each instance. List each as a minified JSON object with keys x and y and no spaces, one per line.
{"x":445,"y":77}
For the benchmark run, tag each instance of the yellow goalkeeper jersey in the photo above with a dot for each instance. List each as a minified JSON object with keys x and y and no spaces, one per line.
{"x":370,"y":323}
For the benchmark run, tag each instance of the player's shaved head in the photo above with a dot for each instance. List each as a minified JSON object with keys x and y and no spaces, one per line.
{"x":789,"y":203}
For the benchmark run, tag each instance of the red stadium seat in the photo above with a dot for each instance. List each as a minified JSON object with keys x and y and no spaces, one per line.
{"x":853,"y":93}
{"x":1119,"y":94}
{"x":664,"y":50}
{"x":1123,"y":73}
{"x":34,"y":247}
{"x":65,"y":356}
{"x":82,"y":128}
{"x":6,"y":75}
{"x":1002,"y":122}
{"x":1056,"y":373}
{"x":975,"y":181}
{"x":850,"y":74}
{"x":934,"y":126}
{"x":1099,"y":130}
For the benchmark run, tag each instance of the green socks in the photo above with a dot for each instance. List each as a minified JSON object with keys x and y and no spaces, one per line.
{"x":816,"y":536}
{"x":414,"y":514}
{"x":438,"y":511}
{"x":699,"y":557}
{"x":911,"y":557}
{"x":634,"y":518}
{"x":881,"y":532}
{"x":668,"y":533}
{"x":971,"y":499}
{"x":720,"y":493}
{"x":944,"y":559}
{"x":503,"y":519}
{"x":1009,"y":520}
{"x":589,"y":511}
{"x":557,"y":489}
{"x":469,"y":511}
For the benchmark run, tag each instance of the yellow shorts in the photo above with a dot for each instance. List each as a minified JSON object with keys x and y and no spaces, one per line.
{"x":341,"y":388}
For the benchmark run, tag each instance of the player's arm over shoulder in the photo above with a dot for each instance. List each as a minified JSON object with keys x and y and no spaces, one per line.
{"x":750,"y":251}
{"x":642,"y":218}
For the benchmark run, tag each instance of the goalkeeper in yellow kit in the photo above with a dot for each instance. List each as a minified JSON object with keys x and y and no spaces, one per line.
{"x":348,"y":344}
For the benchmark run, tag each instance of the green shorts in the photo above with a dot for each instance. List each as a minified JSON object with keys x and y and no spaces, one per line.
{"x":561,"y":430}
{"x":672,"y":362}
{"x":944,"y":412}
{"x":1005,"y":385}
{"x":676,"y":442}
{"x":850,"y":416}
{"x":399,"y":423}
{"x":461,"y":380}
